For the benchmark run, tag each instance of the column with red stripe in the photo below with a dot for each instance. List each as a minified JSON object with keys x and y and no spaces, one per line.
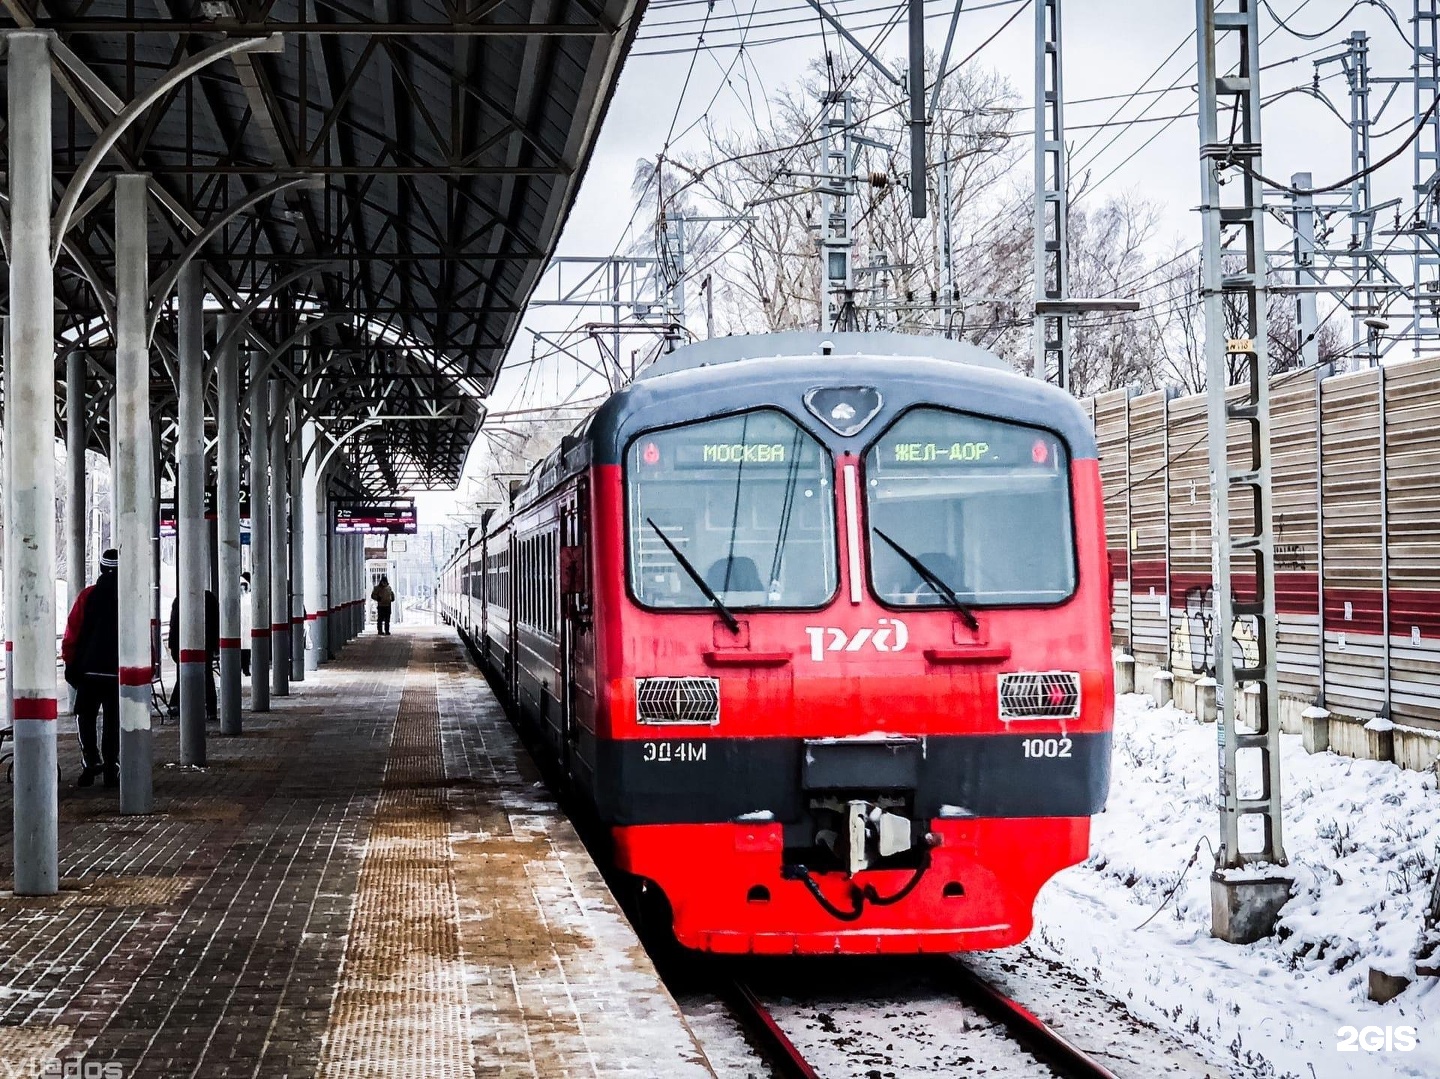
{"x":30,"y":442}
{"x":134,"y":491}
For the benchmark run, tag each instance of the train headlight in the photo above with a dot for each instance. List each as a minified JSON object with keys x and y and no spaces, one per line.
{"x":687,"y":701}
{"x":1040,"y":695}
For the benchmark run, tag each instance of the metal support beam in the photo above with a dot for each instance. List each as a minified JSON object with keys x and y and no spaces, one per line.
{"x":1307,"y":318}
{"x":279,"y":546}
{"x":192,"y":543}
{"x":132,"y":112}
{"x":837,"y":216}
{"x":1052,"y":199}
{"x":259,"y":536}
{"x":30,"y":440}
{"x":299,"y":523}
{"x":915,"y":87}
{"x":133,"y":469}
{"x":1244,"y":907}
{"x":1362,"y":218}
{"x":227,"y":521}
{"x":1425,"y":38}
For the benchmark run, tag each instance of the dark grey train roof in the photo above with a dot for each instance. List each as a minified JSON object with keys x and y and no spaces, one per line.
{"x":782,"y":368}
{"x":815,"y":344}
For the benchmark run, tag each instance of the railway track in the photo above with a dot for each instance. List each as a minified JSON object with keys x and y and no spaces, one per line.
{"x":787,"y":1061}
{"x":1032,"y":1032}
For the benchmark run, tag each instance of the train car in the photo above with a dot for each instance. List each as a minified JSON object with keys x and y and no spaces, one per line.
{"x":819,"y":628}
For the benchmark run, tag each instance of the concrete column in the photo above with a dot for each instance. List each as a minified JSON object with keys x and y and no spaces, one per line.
{"x":9,"y":558}
{"x":299,"y":525}
{"x":342,"y":606}
{"x":279,"y":548}
{"x":327,"y":611}
{"x":30,"y":577}
{"x":192,"y":540}
{"x":133,"y":478}
{"x":259,"y":539}
{"x":315,"y":598}
{"x":356,"y":564}
{"x":76,"y":487}
{"x":227,"y":523}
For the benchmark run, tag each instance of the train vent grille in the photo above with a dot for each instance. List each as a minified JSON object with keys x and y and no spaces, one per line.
{"x":694,"y":701}
{"x":1044,"y":695}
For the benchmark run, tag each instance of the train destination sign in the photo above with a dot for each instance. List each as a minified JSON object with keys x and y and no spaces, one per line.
{"x":677,"y":452}
{"x":395,"y":517}
{"x":911,"y":447}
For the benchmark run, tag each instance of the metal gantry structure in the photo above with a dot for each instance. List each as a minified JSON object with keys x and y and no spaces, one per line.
{"x":294,"y":232}
{"x":1232,"y":198}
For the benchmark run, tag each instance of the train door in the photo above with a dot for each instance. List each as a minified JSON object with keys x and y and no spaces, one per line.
{"x":512,"y":645}
{"x":576,"y":640}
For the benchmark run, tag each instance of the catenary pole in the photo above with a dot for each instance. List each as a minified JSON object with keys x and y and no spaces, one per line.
{"x":1248,"y":887}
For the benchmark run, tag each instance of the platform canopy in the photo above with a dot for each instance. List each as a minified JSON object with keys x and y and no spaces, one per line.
{"x":401,"y":171}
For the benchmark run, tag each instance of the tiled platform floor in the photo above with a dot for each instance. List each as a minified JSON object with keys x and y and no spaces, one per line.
{"x":370,"y":882}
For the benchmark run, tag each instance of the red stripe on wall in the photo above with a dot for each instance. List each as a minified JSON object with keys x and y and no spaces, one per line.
{"x":136,"y":676}
{"x":1297,"y":593}
{"x":36,"y":708}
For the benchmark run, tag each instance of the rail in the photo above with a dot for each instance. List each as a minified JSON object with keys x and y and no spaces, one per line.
{"x":785,"y":1060}
{"x":1028,"y":1029}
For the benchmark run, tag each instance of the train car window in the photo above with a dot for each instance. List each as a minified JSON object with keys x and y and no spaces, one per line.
{"x":982,"y":504}
{"x":748,"y":502}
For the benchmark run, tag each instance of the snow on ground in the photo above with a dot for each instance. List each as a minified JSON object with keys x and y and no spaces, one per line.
{"x":1362,"y":838}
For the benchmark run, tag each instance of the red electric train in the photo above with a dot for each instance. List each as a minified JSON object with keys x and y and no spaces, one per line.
{"x":819,"y":627}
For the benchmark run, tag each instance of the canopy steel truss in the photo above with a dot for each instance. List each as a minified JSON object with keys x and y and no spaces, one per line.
{"x":391,"y":176}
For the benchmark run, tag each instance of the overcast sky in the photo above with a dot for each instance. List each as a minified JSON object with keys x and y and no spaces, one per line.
{"x":1110,"y":48}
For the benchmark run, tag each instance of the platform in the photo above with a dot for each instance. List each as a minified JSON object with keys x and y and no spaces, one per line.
{"x":371,"y":881}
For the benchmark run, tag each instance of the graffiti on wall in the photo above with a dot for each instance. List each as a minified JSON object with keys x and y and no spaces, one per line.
{"x":1192,"y":634}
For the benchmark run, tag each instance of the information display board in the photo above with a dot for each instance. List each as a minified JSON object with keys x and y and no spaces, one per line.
{"x":387,"y":518}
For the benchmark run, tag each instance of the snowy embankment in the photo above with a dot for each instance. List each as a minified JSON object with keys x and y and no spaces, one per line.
{"x":1362,"y":839}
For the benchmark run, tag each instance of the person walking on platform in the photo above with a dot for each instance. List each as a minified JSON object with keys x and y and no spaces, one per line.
{"x":212,"y":651}
{"x":384,"y":597}
{"x":247,"y":623}
{"x":90,"y":651}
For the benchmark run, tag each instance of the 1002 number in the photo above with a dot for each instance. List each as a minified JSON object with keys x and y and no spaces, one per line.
{"x":1048,"y":747}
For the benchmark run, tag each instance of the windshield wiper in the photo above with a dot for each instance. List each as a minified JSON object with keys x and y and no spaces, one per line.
{"x":694,"y":574}
{"x":929,"y":577}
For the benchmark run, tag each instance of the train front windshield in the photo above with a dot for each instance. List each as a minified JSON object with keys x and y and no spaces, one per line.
{"x":981,"y":505}
{"x":744,"y":503}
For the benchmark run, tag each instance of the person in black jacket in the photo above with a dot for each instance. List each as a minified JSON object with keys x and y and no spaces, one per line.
{"x":91,"y":653}
{"x":212,"y":651}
